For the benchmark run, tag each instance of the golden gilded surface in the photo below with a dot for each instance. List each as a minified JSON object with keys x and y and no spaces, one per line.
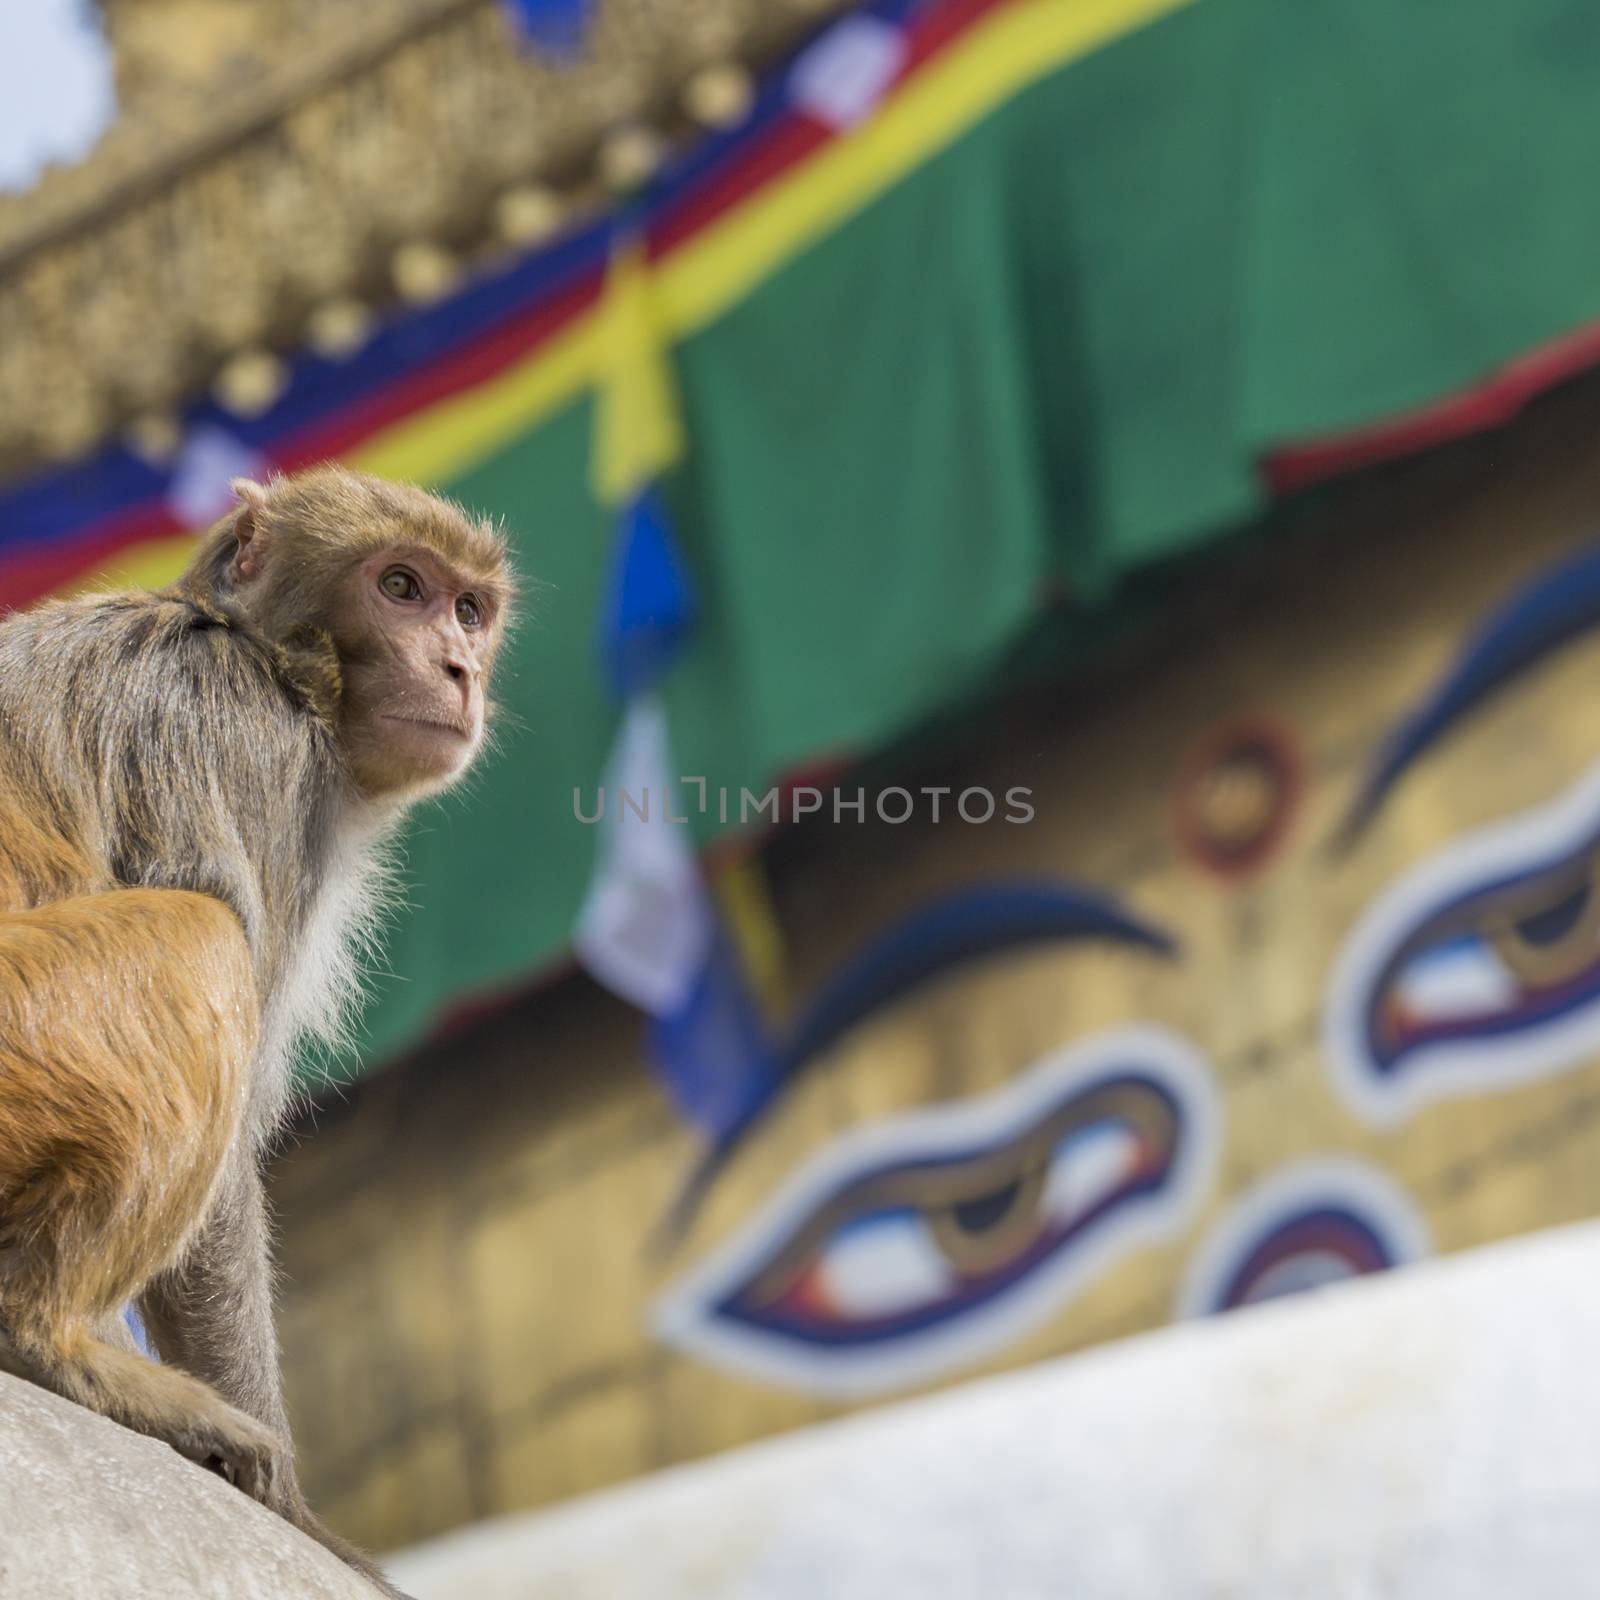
{"x":467,"y":1246}
{"x":271,"y":157}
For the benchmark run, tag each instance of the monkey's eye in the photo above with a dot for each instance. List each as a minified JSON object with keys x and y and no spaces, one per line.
{"x":468,"y":612}
{"x":399,"y":584}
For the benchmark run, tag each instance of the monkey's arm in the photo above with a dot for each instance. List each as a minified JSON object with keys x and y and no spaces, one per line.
{"x":212,"y":1316}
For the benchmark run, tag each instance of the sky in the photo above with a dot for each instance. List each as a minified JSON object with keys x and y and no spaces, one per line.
{"x":56,"y":90}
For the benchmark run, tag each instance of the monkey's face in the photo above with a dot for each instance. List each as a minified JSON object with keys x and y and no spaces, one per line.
{"x":413,"y":594}
{"x":416,"y":650}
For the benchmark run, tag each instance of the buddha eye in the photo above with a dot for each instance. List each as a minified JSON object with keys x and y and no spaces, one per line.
{"x":921,"y":1243}
{"x":1549,"y":934}
{"x":468,"y":612}
{"x":978,"y":1231}
{"x":1479,"y":969}
{"x":400,"y":584}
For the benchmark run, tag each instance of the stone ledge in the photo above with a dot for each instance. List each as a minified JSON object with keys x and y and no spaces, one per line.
{"x":90,"y":1511}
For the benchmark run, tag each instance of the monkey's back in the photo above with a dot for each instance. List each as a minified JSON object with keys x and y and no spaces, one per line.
{"x":148,"y":742}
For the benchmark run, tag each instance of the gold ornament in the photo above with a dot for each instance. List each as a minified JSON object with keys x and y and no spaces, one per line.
{"x":154,"y":436}
{"x":527,"y":213}
{"x":630,"y":157}
{"x":719,"y":96}
{"x":339,"y":327}
{"x":250,"y":382}
{"x":423,"y":271}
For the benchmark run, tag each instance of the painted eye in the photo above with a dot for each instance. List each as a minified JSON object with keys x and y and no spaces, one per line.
{"x":980,"y":1231}
{"x":1479,"y":969}
{"x":913,"y":1246}
{"x":876,"y":1266}
{"x":468,"y":612}
{"x":1312,"y":1224}
{"x":399,"y":584}
{"x":975,"y":1224}
{"x":1549,"y":934}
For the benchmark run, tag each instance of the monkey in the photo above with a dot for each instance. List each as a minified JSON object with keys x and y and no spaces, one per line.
{"x":198,"y":789}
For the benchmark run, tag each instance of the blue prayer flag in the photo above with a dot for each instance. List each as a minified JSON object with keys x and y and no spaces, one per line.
{"x":558,"y":27}
{"x":714,"y":1053}
{"x":649,"y":603}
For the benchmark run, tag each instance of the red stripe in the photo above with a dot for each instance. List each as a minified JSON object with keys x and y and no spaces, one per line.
{"x":797,"y":136}
{"x":26,"y":577}
{"x":514,"y":340}
{"x":1489,"y":405}
{"x":941,"y":27}
{"x":473,"y":364}
{"x":784,"y":145}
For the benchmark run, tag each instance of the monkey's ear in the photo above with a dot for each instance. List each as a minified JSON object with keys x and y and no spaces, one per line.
{"x":252,"y":498}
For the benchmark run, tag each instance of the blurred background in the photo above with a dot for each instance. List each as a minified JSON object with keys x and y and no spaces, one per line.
{"x":1045,"y":787}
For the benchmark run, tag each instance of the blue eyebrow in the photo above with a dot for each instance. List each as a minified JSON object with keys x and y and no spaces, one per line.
{"x":1557,"y":607}
{"x":929,"y":942}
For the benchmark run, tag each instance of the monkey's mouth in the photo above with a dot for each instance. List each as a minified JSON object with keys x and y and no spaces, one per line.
{"x":457,"y":730}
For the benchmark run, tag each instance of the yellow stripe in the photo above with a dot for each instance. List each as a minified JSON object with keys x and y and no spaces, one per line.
{"x":999,"y":58}
{"x":151,"y":564}
{"x":700,"y":281}
{"x":435,"y":445}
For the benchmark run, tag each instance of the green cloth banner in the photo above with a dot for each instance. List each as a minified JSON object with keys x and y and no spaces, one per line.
{"x":1053,"y":355}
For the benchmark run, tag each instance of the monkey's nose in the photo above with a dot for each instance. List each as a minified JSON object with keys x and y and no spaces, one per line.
{"x":463,"y":673}
{"x":459,"y":666}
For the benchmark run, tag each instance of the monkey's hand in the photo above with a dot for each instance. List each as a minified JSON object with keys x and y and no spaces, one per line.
{"x":224,"y":1440}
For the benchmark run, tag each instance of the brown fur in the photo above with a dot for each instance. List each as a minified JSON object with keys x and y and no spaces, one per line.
{"x":188,"y":862}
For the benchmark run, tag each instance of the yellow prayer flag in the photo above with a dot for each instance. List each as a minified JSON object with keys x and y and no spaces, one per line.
{"x":740,"y":886}
{"x":638,"y":433}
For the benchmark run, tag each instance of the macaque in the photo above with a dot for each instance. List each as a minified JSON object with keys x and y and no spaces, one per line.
{"x":196,"y":786}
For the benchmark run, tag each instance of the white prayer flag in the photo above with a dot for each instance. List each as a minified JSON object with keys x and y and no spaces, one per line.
{"x":211,"y":458}
{"x":841,"y":78}
{"x":646,"y":923}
